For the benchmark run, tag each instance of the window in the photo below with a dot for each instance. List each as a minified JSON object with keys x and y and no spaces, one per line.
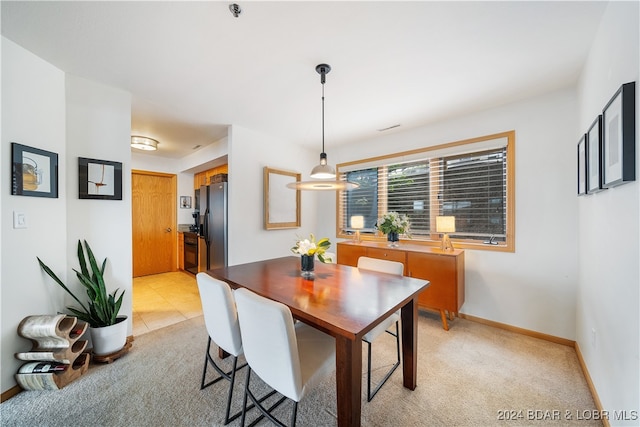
{"x":471,"y":180}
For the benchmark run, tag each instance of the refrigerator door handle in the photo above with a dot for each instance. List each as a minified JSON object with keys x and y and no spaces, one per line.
{"x":206,"y":226}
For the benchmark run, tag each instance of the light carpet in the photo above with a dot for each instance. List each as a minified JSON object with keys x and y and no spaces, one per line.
{"x":472,"y":375}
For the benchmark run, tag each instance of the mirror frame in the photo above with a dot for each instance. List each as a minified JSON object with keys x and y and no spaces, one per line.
{"x":276,"y":194}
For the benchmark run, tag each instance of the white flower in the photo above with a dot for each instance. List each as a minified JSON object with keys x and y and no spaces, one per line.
{"x":305,"y":247}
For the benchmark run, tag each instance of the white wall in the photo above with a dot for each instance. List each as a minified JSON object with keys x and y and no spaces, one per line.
{"x":33,"y":114}
{"x":535,"y":287}
{"x":249,"y":153}
{"x":99,"y":127}
{"x":43,"y":108}
{"x":608,"y":302}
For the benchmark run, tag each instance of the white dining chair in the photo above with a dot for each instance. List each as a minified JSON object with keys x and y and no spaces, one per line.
{"x":390,"y":267}
{"x":289,"y":357}
{"x":221,"y":321}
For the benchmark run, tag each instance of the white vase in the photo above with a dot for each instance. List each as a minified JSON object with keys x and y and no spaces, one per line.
{"x":109,"y":339}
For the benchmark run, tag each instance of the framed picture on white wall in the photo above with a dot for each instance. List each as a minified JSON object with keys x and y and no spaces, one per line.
{"x":594,"y":157}
{"x":34,"y":172}
{"x":582,"y":166}
{"x":99,"y":179}
{"x":618,"y":135}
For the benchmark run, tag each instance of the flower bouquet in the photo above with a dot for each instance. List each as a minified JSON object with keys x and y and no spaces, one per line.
{"x":308,"y":249}
{"x":311,"y":248}
{"x":393,"y":224}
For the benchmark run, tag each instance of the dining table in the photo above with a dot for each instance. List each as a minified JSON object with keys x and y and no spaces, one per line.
{"x":345,"y":302}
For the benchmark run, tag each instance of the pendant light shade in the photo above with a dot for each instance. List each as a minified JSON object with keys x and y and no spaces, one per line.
{"x":323,"y":170}
{"x":323,"y":174}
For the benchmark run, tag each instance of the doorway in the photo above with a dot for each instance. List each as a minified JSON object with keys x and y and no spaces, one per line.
{"x":154,"y":238}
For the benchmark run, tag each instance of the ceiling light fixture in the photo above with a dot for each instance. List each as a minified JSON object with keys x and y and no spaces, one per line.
{"x":324,"y":174}
{"x":143,"y":143}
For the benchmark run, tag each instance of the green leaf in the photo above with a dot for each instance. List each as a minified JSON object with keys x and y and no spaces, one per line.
{"x":102,"y":309}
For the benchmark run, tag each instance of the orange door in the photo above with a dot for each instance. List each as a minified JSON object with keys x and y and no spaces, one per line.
{"x":153,"y":222}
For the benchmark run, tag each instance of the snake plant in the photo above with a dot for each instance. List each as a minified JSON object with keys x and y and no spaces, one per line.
{"x":102,"y":308}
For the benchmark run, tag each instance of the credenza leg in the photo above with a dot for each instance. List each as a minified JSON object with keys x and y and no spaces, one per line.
{"x":443,"y":316}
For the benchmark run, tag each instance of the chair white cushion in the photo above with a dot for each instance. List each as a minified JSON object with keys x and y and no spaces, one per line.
{"x":317,"y":352}
{"x":383,"y":326}
{"x":284,"y":356}
{"x":220,"y":314}
{"x":381,"y":265}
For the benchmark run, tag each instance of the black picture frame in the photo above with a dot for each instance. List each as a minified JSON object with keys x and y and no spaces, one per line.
{"x":619,"y":139}
{"x":34,"y":172}
{"x":99,"y":179}
{"x":582,"y":166}
{"x":594,"y":157}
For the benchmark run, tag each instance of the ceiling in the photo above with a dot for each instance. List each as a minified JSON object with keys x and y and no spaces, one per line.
{"x":193,"y":68}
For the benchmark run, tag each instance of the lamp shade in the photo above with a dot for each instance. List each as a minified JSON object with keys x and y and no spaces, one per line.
{"x":323,"y":171}
{"x":445,"y":224}
{"x":357,"y":222}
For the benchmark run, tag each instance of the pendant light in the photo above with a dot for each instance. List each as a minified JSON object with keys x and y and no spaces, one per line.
{"x":323,"y":170}
{"x":323,"y":173}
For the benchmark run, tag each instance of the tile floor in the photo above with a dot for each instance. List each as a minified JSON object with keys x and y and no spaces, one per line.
{"x":161,"y":300}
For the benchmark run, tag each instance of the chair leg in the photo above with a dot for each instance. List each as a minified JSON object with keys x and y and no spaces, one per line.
{"x":294,"y":414}
{"x":206,"y":362}
{"x":229,"y":376}
{"x":227,"y":420}
{"x":370,"y":394}
{"x":257,"y":403}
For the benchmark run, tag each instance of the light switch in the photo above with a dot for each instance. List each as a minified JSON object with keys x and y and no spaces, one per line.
{"x":19,"y":219}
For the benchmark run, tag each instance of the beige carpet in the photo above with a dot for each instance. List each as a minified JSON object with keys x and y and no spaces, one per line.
{"x":469,"y":376}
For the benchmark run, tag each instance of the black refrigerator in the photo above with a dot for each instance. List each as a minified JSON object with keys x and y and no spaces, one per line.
{"x":212,"y":202}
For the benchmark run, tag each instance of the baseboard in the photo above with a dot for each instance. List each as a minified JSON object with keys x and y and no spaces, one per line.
{"x":521,"y":331}
{"x":592,"y":387}
{"x":554,"y":339}
{"x":10,"y":393}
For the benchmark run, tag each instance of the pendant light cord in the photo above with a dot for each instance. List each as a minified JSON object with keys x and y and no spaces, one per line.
{"x":323,"y":113}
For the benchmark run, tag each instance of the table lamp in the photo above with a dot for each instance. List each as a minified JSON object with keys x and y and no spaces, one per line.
{"x":357,"y":223}
{"x":446,"y":224}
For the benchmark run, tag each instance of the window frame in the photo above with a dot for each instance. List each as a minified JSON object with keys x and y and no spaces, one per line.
{"x":433,"y":239}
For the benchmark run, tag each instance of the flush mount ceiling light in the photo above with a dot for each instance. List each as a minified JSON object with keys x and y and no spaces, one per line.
{"x":323,"y":173}
{"x":143,"y":143}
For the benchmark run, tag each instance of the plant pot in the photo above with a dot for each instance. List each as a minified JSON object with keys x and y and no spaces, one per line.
{"x":306,"y":266}
{"x":393,"y":239}
{"x":109,"y":339}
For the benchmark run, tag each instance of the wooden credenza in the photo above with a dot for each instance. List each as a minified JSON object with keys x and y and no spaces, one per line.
{"x":444,"y":270}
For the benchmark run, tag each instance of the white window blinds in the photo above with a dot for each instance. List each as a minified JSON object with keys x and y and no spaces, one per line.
{"x":467,"y":180}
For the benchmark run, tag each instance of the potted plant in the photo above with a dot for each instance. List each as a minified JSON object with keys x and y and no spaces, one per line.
{"x":308,"y":249}
{"x":108,"y":330}
{"x":393,"y":224}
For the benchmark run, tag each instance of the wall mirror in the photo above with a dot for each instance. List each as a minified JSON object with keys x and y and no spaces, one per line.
{"x":281,"y":204}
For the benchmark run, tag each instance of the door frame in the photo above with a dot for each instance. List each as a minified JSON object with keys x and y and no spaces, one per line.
{"x":174,"y":214}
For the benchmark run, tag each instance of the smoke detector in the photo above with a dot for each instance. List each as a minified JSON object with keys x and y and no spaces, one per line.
{"x":235,"y":9}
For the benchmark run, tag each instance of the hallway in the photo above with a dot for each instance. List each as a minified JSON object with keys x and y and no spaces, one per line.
{"x":161,"y":300}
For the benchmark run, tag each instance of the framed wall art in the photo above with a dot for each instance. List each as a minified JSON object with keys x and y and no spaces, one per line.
{"x":99,"y":179}
{"x":281,"y":205}
{"x":582,"y":166}
{"x":34,"y":172}
{"x":618,"y":137}
{"x":594,"y":157}
{"x":185,"y":202}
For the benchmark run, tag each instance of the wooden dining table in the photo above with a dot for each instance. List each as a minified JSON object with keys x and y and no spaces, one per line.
{"x":344,"y":302}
